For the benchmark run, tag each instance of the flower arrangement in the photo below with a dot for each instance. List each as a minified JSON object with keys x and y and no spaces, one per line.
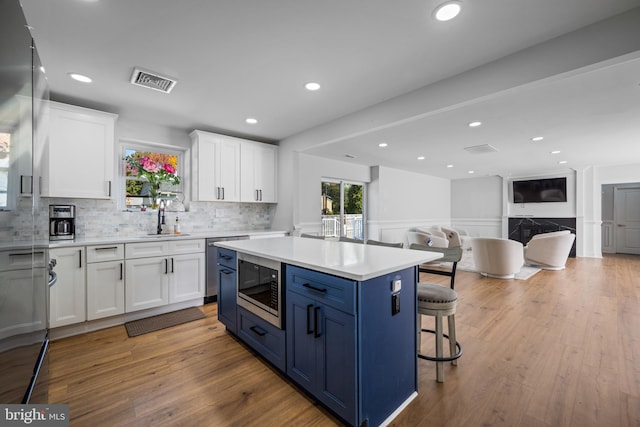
{"x":153,"y":171}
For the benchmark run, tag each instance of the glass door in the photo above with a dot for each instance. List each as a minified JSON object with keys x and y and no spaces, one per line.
{"x":342,"y":209}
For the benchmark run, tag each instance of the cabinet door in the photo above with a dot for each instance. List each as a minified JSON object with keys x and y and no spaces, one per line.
{"x":258,"y":172}
{"x":67,"y":296}
{"x":336,"y":361}
{"x":266,"y":173}
{"x":301,"y":342}
{"x":216,"y":167}
{"x":321,"y":353}
{"x":16,"y":287}
{"x":105,"y":289}
{"x":229,"y":169}
{"x":147,"y":283}
{"x":186,"y":280}
{"x":227,"y":290}
{"x":84,"y":138}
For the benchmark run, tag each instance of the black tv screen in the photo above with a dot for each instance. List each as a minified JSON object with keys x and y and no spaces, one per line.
{"x":540,"y":190}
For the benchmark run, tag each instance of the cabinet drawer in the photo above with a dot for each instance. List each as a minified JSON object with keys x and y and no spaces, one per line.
{"x":177,"y":247}
{"x":263,"y":337}
{"x":100,"y":253}
{"x":146,"y":249}
{"x":227,"y":258}
{"x":334,"y":291}
{"x":21,"y":259}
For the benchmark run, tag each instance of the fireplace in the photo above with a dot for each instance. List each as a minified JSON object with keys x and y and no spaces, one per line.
{"x":523,"y":229}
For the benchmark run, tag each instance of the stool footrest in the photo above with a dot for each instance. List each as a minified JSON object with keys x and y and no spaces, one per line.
{"x":442,"y":359}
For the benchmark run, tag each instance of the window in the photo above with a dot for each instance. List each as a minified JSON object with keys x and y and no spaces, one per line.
{"x":342,"y":209}
{"x":136,"y":190}
{"x":5,"y":162}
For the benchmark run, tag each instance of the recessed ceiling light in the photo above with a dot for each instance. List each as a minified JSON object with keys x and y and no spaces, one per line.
{"x":449,"y":166}
{"x":562,"y":162}
{"x":80,"y":78}
{"x":537,"y":138}
{"x":447,"y":11}
{"x":251,"y":121}
{"x":312,"y":86}
{"x":420,"y":157}
{"x":555,"y":152}
{"x":475,"y":124}
{"x":382,"y":144}
{"x":471,"y":172}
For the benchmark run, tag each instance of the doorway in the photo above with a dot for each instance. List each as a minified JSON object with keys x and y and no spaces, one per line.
{"x":621,"y":218}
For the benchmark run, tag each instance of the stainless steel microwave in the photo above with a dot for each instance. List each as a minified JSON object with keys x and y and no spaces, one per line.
{"x":259,"y":287}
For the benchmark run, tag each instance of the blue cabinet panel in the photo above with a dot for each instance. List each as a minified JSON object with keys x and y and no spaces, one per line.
{"x":227,"y":289}
{"x":226,"y":257}
{"x":333,"y":291}
{"x":387,"y":345}
{"x":263,"y":337}
{"x":321,"y":338}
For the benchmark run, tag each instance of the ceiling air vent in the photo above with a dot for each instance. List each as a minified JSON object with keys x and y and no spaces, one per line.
{"x":481,"y":149}
{"x":152,"y":80}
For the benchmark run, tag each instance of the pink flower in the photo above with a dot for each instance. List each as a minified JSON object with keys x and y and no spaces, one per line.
{"x":169,"y":169}
{"x":149,"y":165}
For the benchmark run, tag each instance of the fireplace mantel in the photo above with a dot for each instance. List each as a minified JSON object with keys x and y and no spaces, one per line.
{"x":522,"y":229}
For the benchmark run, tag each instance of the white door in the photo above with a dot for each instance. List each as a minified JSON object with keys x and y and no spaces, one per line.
{"x":627,"y":220}
{"x":105,"y":289}
{"x":186,"y":280}
{"x":147,"y":283}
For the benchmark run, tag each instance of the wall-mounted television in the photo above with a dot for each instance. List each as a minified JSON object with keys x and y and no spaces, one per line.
{"x":540,"y":190}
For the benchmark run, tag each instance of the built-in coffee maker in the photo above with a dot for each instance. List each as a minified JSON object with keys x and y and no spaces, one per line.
{"x":62,"y":222}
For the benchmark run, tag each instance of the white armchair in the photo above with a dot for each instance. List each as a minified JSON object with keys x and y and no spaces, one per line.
{"x":427,"y":237}
{"x":499,"y":258}
{"x":549,"y":250}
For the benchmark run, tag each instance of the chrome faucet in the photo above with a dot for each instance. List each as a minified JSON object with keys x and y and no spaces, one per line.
{"x":160,"y":216}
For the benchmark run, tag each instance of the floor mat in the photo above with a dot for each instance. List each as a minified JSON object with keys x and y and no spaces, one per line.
{"x":162,"y":321}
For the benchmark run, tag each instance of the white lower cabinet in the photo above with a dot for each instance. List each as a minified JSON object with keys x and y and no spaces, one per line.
{"x":67,"y":297}
{"x":176,"y":276}
{"x":105,"y":281}
{"x":187,"y":277}
{"x":147,"y":283}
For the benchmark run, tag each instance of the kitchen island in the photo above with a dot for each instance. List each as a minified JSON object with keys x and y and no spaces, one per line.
{"x":347,"y":313}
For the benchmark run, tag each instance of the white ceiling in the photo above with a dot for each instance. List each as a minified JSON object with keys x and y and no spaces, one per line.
{"x":251,"y":58}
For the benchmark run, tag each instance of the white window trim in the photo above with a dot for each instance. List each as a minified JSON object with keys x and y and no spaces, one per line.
{"x":141,"y":145}
{"x":341,"y":182}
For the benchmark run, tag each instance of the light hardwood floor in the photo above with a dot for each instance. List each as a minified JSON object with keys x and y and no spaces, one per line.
{"x":560,"y":349}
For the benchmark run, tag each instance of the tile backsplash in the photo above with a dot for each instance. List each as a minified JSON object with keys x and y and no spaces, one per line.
{"x":101,"y":218}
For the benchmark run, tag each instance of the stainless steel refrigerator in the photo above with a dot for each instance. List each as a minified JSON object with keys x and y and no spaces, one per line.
{"x":23,"y":260}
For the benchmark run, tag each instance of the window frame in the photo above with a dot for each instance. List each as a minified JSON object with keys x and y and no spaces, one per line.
{"x":140,"y":145}
{"x":342,"y":183}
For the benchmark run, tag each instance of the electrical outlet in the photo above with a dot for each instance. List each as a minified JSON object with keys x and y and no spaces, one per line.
{"x":395,"y":304}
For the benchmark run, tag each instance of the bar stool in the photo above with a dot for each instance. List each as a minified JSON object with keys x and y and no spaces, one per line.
{"x":439,"y":301}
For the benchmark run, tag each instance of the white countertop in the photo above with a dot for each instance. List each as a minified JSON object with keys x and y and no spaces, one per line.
{"x":353,"y":261}
{"x":137,"y":238}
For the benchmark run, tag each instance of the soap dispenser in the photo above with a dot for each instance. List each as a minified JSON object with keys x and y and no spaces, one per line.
{"x":176,"y":226}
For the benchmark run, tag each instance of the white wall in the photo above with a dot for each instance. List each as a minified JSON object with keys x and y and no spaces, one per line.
{"x":594,"y":178}
{"x":399,"y":200}
{"x":306,"y":187}
{"x":477,"y":205}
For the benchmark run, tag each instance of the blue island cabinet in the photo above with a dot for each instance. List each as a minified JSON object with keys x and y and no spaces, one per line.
{"x":352,"y":344}
{"x":227,"y":288}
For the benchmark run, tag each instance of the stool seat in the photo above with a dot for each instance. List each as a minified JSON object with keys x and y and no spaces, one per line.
{"x":436,"y":297}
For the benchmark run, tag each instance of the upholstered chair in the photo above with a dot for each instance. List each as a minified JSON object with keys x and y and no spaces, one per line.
{"x":549,"y":251}
{"x":495,"y":257}
{"x":424,"y":237}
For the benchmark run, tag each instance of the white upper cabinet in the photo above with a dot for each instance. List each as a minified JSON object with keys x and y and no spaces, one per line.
{"x":215,"y":162}
{"x":78,"y":161}
{"x":259,"y":172}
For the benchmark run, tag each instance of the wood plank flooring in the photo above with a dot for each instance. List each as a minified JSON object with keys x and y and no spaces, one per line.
{"x":560,"y":349}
